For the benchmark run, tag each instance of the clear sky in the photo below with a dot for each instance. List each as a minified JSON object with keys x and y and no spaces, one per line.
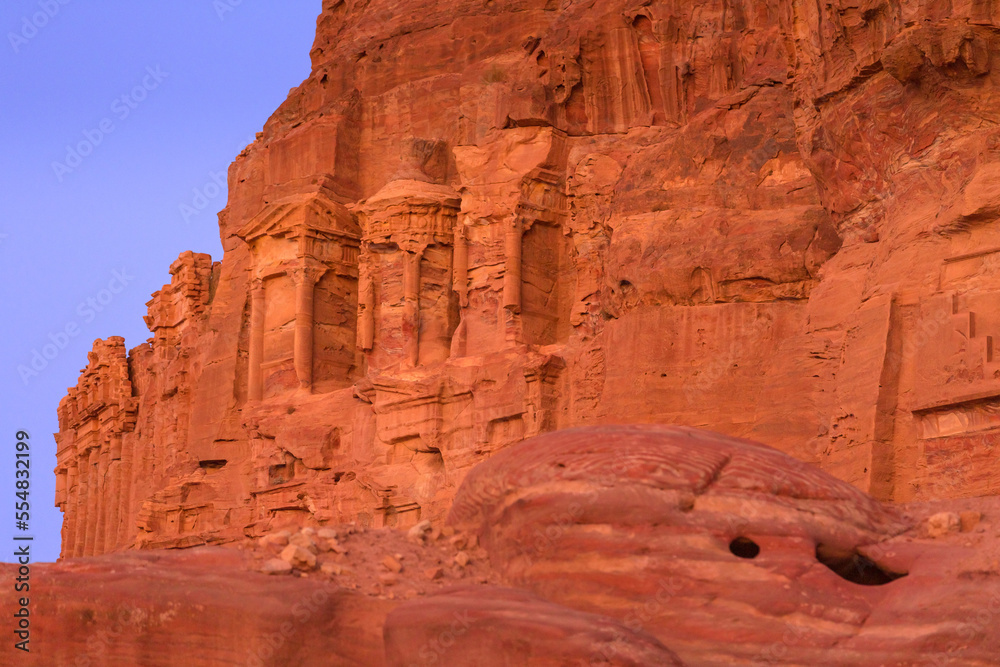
{"x":114,"y":117}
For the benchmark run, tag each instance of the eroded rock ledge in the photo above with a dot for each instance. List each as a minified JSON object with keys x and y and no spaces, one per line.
{"x":643,"y":545}
{"x":479,"y":222}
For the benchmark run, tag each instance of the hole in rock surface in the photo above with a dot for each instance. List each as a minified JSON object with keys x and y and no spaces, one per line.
{"x":744,"y":547}
{"x":854,"y":567}
{"x":213,"y":464}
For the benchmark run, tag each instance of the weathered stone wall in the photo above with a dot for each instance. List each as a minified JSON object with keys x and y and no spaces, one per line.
{"x":477,"y":222}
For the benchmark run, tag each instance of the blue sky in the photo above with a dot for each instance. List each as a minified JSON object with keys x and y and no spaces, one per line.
{"x":119,"y":118}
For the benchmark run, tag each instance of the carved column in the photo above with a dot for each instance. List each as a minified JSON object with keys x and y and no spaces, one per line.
{"x":128,"y":471}
{"x":541,"y":396}
{"x":512,"y":273}
{"x":92,"y":458}
{"x":411,"y":305}
{"x":60,"y":487}
{"x":305,"y":293}
{"x":80,"y":504}
{"x":70,"y":515}
{"x":461,"y":266}
{"x":102,"y":503}
{"x":255,"y":389}
{"x":366,"y":308}
{"x":113,"y":497}
{"x":66,"y":534}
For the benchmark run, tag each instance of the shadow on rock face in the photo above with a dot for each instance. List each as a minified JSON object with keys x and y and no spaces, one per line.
{"x":855,"y":567}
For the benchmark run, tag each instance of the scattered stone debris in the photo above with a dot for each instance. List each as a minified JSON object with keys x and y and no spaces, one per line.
{"x":414,"y":561}
{"x":299,"y":557}
{"x":392,"y":564}
{"x":968,"y":520}
{"x":420,"y":532}
{"x":942,"y":523}
{"x":279,"y":539}
{"x":276,"y":566}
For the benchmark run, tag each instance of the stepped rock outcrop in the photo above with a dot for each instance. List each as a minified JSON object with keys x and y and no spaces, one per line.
{"x":643,"y":545}
{"x":730,"y":552}
{"x":468,"y":626}
{"x":478,"y":222}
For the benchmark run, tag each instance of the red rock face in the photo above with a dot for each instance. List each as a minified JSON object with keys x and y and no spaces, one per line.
{"x":198,"y":608}
{"x":479,"y":625}
{"x":475,"y":223}
{"x":642,"y":545}
{"x":727,"y":551}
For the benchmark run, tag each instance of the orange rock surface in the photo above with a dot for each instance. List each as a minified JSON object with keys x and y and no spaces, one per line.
{"x":732,"y":553}
{"x":479,"y":222}
{"x":642,"y":545}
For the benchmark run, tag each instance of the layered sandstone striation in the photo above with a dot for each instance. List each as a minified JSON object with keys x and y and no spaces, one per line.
{"x":477,"y":222}
{"x":730,"y":552}
{"x":642,"y":545}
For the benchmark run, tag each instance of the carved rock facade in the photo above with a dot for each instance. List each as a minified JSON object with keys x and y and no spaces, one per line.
{"x":609,"y":545}
{"x":478,"y":222}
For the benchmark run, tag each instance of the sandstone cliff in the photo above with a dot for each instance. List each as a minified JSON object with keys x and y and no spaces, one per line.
{"x":477,"y":222}
{"x":633,"y":546}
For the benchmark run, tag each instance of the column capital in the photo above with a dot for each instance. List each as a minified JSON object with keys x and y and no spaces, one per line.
{"x":414,"y":246}
{"x":308,"y":274}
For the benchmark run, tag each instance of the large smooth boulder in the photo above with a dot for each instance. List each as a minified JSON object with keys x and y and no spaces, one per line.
{"x":724,"y":549}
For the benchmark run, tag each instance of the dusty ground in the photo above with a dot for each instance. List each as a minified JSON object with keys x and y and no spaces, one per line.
{"x":386,"y":563}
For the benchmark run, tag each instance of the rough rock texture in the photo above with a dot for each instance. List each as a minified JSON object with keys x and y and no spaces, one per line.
{"x":726,"y":550}
{"x":200,"y":608}
{"x":645,"y":545}
{"x":477,"y":222}
{"x":464,"y":626}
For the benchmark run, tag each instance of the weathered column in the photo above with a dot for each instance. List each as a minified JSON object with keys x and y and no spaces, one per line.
{"x":512,"y":273}
{"x":113,"y":500}
{"x":60,"y":486}
{"x":66,"y":535}
{"x":101,"y":501}
{"x":113,"y":497}
{"x":93,"y":501}
{"x":129,"y":468}
{"x":411,"y":305}
{"x":80,"y":505}
{"x":461,"y":266}
{"x":255,"y":375}
{"x":92,"y":460}
{"x":69,"y":510}
{"x":366,"y":308}
{"x":305,"y":292}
